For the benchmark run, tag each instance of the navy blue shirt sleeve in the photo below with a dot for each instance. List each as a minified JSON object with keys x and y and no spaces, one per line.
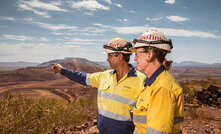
{"x":79,"y":77}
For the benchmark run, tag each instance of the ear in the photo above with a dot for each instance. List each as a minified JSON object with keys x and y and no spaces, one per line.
{"x":149,"y":56}
{"x":121,"y":57}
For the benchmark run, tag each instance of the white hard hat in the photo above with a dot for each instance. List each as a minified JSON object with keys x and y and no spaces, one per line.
{"x":153,"y":39}
{"x":118,"y":44}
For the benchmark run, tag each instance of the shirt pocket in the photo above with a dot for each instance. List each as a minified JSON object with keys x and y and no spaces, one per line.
{"x":142,"y":104}
{"x":104,"y":84}
{"x":143,"y":100}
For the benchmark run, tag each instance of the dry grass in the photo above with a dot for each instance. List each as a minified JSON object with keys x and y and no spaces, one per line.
{"x":23,"y":115}
{"x":209,"y":113}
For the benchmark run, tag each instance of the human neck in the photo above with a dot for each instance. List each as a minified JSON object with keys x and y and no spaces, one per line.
{"x":151,"y":68}
{"x":122,"y":70}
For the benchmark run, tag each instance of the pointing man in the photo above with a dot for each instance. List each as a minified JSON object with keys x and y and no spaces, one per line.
{"x":117,"y":88}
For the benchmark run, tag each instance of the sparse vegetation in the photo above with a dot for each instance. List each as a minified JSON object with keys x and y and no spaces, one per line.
{"x":189,"y":93}
{"x":190,"y":88}
{"x":22,"y":115}
{"x":208,"y":81}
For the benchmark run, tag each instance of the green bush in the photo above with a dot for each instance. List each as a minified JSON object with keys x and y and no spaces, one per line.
{"x":22,"y":115}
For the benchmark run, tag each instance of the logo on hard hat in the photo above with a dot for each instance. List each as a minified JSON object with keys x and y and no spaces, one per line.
{"x":151,"y":37}
{"x":116,"y":44}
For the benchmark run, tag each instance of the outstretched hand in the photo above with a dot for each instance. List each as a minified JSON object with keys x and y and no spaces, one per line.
{"x":56,"y":68}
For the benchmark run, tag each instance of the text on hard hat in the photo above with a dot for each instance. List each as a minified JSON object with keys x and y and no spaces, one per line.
{"x":151,"y":37}
{"x":116,"y":44}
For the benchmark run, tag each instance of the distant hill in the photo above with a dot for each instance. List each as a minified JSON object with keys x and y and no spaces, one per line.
{"x":174,"y":64}
{"x":102,"y":63}
{"x":27,"y":74}
{"x":78,"y":64}
{"x":6,"y":66}
{"x":195,"y":64}
{"x":42,"y":72}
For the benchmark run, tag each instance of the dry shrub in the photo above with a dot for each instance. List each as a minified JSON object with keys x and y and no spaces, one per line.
{"x":189,"y":94}
{"x":20,"y":115}
{"x":207,"y":113}
{"x":207,"y":81}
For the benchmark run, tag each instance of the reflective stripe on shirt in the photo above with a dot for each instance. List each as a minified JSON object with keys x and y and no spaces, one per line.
{"x":135,"y":131}
{"x":113,"y":115}
{"x":143,"y":119}
{"x":140,"y":119}
{"x":153,"y":131}
{"x":87,"y":81}
{"x":116,"y":98}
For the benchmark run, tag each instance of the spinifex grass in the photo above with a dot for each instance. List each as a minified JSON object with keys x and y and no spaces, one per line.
{"x":22,"y":115}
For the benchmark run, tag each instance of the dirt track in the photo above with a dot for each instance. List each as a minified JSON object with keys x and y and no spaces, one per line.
{"x":58,"y":89}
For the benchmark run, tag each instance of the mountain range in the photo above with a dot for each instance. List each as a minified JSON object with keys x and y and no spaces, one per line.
{"x":42,"y":72}
{"x":177,"y":64}
{"x":195,"y":64}
{"x":6,"y":66}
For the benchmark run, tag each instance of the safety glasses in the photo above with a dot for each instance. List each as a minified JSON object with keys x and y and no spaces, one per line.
{"x":136,"y":53}
{"x":111,"y":54}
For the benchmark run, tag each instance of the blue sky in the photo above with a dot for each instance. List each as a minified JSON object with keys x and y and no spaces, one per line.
{"x":40,"y":30}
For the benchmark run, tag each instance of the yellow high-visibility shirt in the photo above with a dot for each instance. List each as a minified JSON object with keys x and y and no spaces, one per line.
{"x":116,"y":100}
{"x":160,"y":105}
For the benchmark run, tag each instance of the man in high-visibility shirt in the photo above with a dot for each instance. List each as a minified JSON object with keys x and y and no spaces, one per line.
{"x":160,"y":105}
{"x":117,"y":88}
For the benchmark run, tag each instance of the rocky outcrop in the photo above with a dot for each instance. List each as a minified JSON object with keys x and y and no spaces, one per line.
{"x":210,"y":96}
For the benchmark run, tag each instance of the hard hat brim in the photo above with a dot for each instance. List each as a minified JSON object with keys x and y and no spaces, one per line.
{"x":160,"y":46}
{"x":112,"y":51}
{"x":109,"y":51}
{"x":137,"y":45}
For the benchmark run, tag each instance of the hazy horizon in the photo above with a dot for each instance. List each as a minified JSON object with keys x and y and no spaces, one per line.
{"x":98,"y":61}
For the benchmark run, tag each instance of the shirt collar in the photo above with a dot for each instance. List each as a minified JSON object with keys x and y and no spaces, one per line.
{"x":149,"y":81}
{"x":131,"y":73}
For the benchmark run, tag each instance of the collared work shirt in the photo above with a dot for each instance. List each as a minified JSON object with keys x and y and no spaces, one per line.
{"x":115,"y":100}
{"x":159,"y":109}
